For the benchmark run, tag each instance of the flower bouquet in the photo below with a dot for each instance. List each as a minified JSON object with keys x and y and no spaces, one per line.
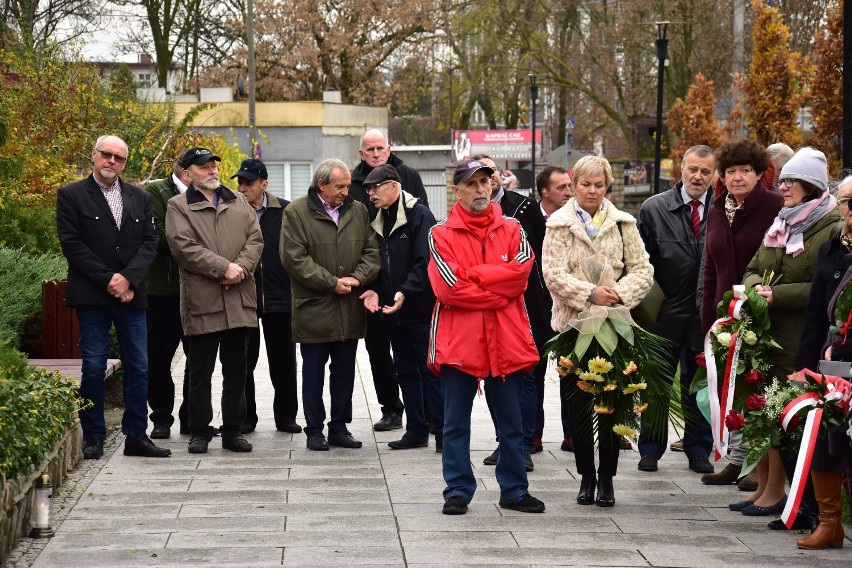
{"x":841,"y":346}
{"x":624,"y":368}
{"x":794,"y":413}
{"x":739,"y":345}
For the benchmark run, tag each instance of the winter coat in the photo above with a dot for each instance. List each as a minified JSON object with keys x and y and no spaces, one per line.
{"x":480,"y":325}
{"x":317,"y":253}
{"x":405,"y":258}
{"x":97,"y":249}
{"x":273,"y":282}
{"x":728,"y":248}
{"x":665,"y":224}
{"x":566,"y":244}
{"x":790,"y":293}
{"x":204,"y":239}
{"x":164,"y":276}
{"x":409,"y":179}
{"x":537,"y":298}
{"x":832,"y":263}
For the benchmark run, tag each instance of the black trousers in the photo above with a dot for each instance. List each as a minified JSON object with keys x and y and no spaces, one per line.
{"x":231,"y":345}
{"x":582,"y":409}
{"x":378,"y":346}
{"x":165,"y":332}
{"x":281,"y":355}
{"x":341,"y":381}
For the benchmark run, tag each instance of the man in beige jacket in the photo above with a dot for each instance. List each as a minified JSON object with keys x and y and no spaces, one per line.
{"x":216,"y":240}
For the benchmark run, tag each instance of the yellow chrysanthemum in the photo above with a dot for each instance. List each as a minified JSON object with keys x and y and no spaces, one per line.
{"x":591,"y":377}
{"x":603,"y":409}
{"x":639,"y":409}
{"x":599,"y":365}
{"x":610,"y":387}
{"x":626,"y":431}
{"x":630,"y":368}
{"x":587,"y":387}
{"x":633,"y":387}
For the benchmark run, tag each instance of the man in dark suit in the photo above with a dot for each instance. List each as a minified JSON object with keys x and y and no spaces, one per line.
{"x":106,"y":229}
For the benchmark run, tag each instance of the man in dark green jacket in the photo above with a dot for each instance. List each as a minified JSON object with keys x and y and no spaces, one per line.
{"x":165,"y":331}
{"x":331,"y":254}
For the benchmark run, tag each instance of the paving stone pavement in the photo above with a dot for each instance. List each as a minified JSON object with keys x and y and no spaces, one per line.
{"x":283,"y":505}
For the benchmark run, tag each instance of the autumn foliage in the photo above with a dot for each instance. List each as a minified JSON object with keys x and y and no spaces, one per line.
{"x":775,"y":86}
{"x":827,"y":87}
{"x":692,"y":119}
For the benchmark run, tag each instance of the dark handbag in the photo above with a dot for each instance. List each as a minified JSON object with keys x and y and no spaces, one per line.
{"x":645,"y":314}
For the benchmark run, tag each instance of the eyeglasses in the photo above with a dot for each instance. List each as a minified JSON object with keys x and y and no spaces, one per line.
{"x":732,"y":172}
{"x":378,"y":185}
{"x":845,"y":201}
{"x":110,"y":156}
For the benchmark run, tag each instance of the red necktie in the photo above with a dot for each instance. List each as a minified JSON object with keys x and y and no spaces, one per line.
{"x":696,"y":219}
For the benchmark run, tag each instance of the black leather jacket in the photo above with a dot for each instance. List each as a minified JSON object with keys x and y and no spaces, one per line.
{"x":665,"y":224}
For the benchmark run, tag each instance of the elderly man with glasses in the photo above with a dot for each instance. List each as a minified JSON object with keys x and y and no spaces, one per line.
{"x":106,"y":229}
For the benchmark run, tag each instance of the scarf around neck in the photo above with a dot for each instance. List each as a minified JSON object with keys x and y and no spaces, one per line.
{"x":478,"y":224}
{"x":791,"y":223}
{"x":591,"y":224}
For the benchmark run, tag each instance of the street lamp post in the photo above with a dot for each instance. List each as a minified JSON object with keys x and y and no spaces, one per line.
{"x":534,"y":97}
{"x":662,"y":49}
{"x":251,"y":106}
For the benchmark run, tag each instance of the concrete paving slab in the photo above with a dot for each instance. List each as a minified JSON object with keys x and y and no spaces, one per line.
{"x":544,"y":556}
{"x":342,"y":556}
{"x":290,"y":510}
{"x":287,"y":538}
{"x":159,"y":557}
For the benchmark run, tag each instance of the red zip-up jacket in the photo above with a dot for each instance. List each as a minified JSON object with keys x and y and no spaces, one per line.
{"x":480,"y":324}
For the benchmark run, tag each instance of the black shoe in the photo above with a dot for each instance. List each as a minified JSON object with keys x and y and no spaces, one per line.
{"x":343,"y":440}
{"x":317,"y":443}
{"x":528,"y":463}
{"x":492,"y":459}
{"x":586,"y":496}
{"x":93,"y":448}
{"x":290,"y":427}
{"x":389,"y":421}
{"x":144,"y":447}
{"x":804,"y":522}
{"x":236,"y":443}
{"x":247,"y":428}
{"x":455,"y":505}
{"x":648,"y":463}
{"x":567,"y":444}
{"x":526,"y":503}
{"x":198,"y":444}
{"x":606,"y":492}
{"x":161,"y":432}
{"x":408,"y":442}
{"x":701,"y":465}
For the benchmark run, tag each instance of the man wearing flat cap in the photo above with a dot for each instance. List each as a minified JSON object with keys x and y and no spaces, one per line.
{"x":215,"y":238}
{"x":273,"y":305}
{"x":403,"y":298}
{"x":480,"y":263}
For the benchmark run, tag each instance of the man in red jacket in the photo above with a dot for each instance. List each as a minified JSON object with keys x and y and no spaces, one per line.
{"x":479,"y":266}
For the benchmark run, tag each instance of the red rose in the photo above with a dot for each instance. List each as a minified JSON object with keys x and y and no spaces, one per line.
{"x":755,"y":402}
{"x":700,"y":360}
{"x":754,"y":378}
{"x":734,"y":420}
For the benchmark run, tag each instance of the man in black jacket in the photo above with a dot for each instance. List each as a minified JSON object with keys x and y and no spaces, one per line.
{"x":539,"y":306}
{"x":402,"y":295}
{"x":273,"y":306}
{"x":106,"y":229}
{"x":672,"y":225}
{"x":374,"y":152}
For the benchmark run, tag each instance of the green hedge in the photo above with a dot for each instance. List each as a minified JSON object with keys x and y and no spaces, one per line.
{"x":36,"y":407}
{"x":20,"y":295}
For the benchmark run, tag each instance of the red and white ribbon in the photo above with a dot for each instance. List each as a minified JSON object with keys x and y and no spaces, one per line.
{"x":803,"y":463}
{"x":719,"y":407}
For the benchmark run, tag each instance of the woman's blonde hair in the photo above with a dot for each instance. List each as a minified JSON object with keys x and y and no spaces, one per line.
{"x":592,"y":166}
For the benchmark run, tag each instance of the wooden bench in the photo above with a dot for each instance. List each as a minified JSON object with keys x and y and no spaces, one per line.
{"x":71,"y":367}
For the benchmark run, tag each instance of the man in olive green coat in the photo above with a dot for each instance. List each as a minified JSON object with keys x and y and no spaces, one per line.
{"x":215,"y":238}
{"x":331,"y":253}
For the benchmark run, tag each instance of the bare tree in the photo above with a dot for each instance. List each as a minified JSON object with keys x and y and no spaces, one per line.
{"x":39,"y":22}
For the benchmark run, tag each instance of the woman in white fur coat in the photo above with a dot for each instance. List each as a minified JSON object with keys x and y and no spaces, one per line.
{"x":587,"y":225}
